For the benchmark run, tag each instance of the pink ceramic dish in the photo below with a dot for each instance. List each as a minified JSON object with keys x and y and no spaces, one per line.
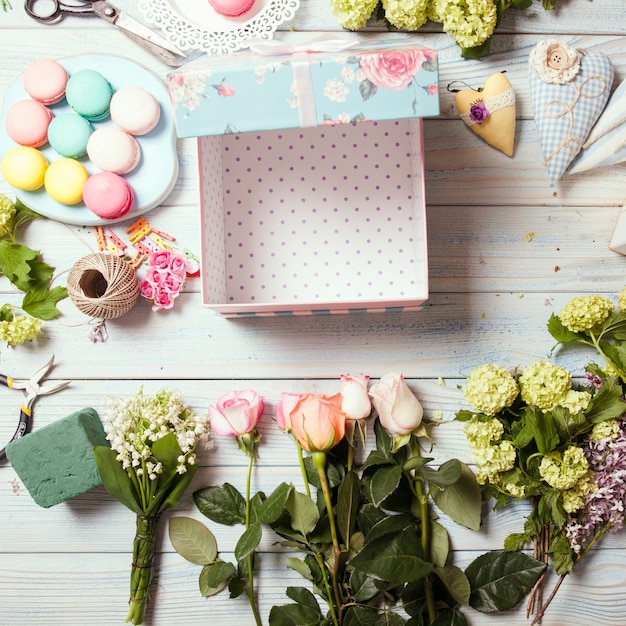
{"x":231,"y":8}
{"x":108,"y":195}
{"x":45,"y":80}
{"x":113,"y":150}
{"x":135,"y":110}
{"x":27,"y":123}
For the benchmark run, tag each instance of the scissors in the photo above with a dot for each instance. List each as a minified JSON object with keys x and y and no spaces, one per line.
{"x":50,"y":11}
{"x":32,"y":390}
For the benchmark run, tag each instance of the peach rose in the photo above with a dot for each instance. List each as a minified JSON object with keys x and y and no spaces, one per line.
{"x":317,"y":422}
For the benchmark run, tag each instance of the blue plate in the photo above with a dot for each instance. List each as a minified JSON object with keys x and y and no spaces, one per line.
{"x":154,"y":177}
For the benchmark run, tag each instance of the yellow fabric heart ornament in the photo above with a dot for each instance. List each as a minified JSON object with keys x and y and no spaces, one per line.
{"x":490,"y":112}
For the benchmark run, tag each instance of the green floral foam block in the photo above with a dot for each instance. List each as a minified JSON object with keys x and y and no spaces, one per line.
{"x":56,"y":462}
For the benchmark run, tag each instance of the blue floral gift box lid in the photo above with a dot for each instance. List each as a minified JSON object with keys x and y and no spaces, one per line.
{"x":252,"y":92}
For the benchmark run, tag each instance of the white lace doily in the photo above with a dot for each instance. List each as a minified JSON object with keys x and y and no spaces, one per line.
{"x":193,"y":25}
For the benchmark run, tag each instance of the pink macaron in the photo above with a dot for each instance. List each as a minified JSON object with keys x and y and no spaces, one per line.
{"x":135,"y":110}
{"x":113,"y":150}
{"x":231,"y":8}
{"x":108,"y":195}
{"x":45,"y":80}
{"x":27,"y":123}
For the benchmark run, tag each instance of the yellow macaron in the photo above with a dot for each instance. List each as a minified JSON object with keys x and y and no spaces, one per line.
{"x":65,"y":179}
{"x":24,"y":168}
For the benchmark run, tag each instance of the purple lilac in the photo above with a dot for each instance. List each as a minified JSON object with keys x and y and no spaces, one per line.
{"x":604,"y":508}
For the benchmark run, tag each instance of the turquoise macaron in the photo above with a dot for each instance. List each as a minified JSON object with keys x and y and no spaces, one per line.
{"x":89,"y":93}
{"x":68,"y":135}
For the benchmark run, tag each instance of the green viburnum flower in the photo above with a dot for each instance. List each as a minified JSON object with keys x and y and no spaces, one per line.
{"x":19,"y":329}
{"x":563,"y":471}
{"x":608,"y":429}
{"x":544,"y":384}
{"x":575,"y":401}
{"x":574,"y":498}
{"x":517,"y":491}
{"x":7,"y":212}
{"x":621,"y":300}
{"x":406,"y":14}
{"x":490,"y":388}
{"x":584,"y":313}
{"x":352,"y":14}
{"x":492,"y":456}
{"x":469,"y":22}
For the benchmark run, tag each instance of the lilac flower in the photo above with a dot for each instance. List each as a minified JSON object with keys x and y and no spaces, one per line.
{"x":604,"y":508}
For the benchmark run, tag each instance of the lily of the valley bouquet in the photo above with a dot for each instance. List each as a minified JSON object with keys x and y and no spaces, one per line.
{"x":150,"y":463}
{"x":469,"y":22}
{"x":365,"y":533}
{"x":538,"y":434}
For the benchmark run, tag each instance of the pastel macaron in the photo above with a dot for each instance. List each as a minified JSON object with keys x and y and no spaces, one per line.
{"x":24,"y":168}
{"x":69,"y":133}
{"x":135,"y":110}
{"x":108,"y":195}
{"x":112,"y":150}
{"x":27,"y":123}
{"x":231,"y":8}
{"x":89,"y":93}
{"x":45,"y":80}
{"x":64,"y":181}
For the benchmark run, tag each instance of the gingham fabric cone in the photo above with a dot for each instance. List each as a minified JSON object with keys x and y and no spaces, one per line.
{"x":569,"y":89}
{"x":606,"y":144}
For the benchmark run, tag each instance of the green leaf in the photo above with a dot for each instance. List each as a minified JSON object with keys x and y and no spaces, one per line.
{"x":607,"y":403}
{"x":348,"y":498}
{"x":449,"y":617}
{"x":367,"y":89}
{"x":499,"y":580}
{"x":274,"y":507}
{"x":393,"y":557}
{"x":303,"y":513}
{"x":170,"y":495}
{"x":298,"y":565}
{"x":456,"y":583}
{"x":115,"y":479}
{"x":215,"y":577}
{"x":248,"y":541}
{"x":390,"y":524}
{"x":561,"y":552}
{"x":362,"y":586}
{"x":447,"y":474}
{"x":462,"y":501}
{"x":24,"y":215}
{"x":304,"y":597}
{"x":224,"y":505}
{"x":192,"y":540}
{"x":15,"y":263}
{"x":294,"y":615}
{"x":42,"y":303}
{"x":515,"y":541}
{"x":360,"y":616}
{"x":439,"y":544}
{"x":383,"y":483}
{"x":563,"y":334}
{"x":368,"y":516}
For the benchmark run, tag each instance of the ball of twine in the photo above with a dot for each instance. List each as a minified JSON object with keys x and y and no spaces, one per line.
{"x":103,"y":286}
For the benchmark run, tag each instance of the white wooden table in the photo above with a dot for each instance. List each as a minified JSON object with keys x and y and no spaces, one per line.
{"x":492,"y":291}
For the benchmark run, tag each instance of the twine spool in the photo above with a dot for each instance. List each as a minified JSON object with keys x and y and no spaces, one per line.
{"x":103,"y":286}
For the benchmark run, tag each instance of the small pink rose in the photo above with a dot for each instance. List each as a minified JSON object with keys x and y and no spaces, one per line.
{"x":224,"y":90}
{"x":147,"y":290}
{"x":236,"y":413}
{"x":399,"y":411}
{"x":171,"y":283}
{"x":160,"y":259}
{"x":178,"y":264}
{"x":154,"y":276}
{"x":283,"y":409}
{"x":355,"y":402}
{"x":162,"y":300}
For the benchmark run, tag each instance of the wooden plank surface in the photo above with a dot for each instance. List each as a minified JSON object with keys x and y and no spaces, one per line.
{"x":505,"y":252}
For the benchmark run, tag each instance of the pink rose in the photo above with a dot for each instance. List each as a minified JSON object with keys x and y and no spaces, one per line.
{"x":283,"y":409}
{"x":224,"y":90}
{"x":355,"y":401}
{"x":398,"y":409}
{"x":178,"y":264}
{"x":147,"y":289}
{"x":236,"y":413}
{"x":171,"y":283}
{"x":392,"y":69}
{"x":317,"y":422}
{"x":160,"y":259}
{"x":154,"y":276}
{"x":162,"y":300}
{"x":433,"y":90}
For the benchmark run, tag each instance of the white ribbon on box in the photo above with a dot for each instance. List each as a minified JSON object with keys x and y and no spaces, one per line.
{"x":302,"y":67}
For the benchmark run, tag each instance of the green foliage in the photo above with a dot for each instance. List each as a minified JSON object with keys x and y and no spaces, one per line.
{"x":26,"y":270}
{"x":390,"y":562}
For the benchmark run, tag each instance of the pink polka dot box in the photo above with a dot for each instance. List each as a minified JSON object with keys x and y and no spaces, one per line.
{"x":318,"y":216}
